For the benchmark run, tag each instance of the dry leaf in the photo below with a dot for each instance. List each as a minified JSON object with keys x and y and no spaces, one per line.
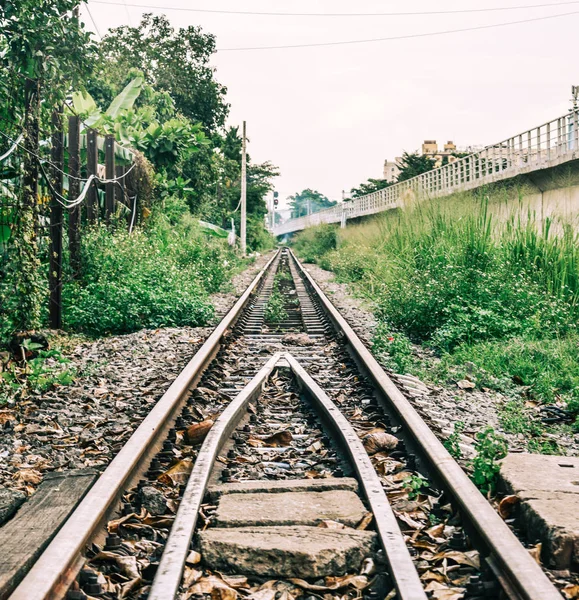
{"x":280,"y":439}
{"x":197,"y":432}
{"x":5,"y":416}
{"x":440,"y":591}
{"x":365,"y":521}
{"x":506,"y":506}
{"x":215,"y":586}
{"x":376,"y":442}
{"x":436,"y":533}
{"x":470,"y":558}
{"x":536,"y":552}
{"x":128,"y":566}
{"x":28,"y":476}
{"x":571,"y":591}
{"x":333,"y":583}
{"x":235,"y":581}
{"x":178,"y":473}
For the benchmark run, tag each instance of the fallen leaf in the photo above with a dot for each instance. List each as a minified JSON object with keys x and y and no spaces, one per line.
{"x":365,"y":521}
{"x":215,"y":586}
{"x":197,"y":432}
{"x":375,"y":442}
{"x":178,"y":473}
{"x":536,"y":552}
{"x":279,"y":439}
{"x":507,"y":505}
{"x":28,"y":476}
{"x":440,"y":591}
{"x":571,"y":591}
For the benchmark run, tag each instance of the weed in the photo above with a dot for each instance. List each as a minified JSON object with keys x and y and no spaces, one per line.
{"x":313,"y":243}
{"x":156,"y":277}
{"x":48,"y":369}
{"x":452,"y":442}
{"x":475,"y":284}
{"x":275,"y":309}
{"x":394,"y":349}
{"x":490,"y":448}
{"x":414,"y":484}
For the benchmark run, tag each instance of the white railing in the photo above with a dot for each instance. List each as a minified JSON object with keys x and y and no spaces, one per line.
{"x":548,"y":145}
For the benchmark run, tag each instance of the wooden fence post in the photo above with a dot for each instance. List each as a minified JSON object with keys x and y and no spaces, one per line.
{"x":109,"y":174}
{"x":92,"y":152}
{"x":73,"y":194}
{"x":55,"y":275}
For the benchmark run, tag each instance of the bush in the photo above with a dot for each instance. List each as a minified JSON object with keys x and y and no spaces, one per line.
{"x":502,"y":294}
{"x":311,"y":244}
{"x":156,"y":277}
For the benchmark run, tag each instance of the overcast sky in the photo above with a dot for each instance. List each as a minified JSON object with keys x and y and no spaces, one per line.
{"x":329,"y":116}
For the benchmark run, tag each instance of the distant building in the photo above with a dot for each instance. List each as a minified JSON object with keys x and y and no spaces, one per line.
{"x":430,"y":148}
{"x":391,"y":170}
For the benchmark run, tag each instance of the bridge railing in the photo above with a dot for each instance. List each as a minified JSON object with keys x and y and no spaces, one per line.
{"x":544,"y":146}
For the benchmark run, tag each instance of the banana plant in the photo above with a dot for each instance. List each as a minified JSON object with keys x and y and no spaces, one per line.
{"x":92,"y":115}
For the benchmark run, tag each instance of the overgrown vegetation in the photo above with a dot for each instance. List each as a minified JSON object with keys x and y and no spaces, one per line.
{"x":275,"y":308}
{"x":490,"y":448}
{"x":42,"y":370}
{"x":494,"y":296}
{"x":156,"y":277}
{"x":152,"y":86}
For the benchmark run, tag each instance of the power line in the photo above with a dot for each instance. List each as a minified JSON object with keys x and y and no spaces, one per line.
{"x":397,"y":37}
{"x":379,"y":14}
{"x":93,"y":22}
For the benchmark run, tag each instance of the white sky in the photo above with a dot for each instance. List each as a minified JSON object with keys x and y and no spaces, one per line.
{"x":329,"y":116}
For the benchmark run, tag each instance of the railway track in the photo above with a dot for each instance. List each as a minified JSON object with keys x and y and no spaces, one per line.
{"x":277,"y":465}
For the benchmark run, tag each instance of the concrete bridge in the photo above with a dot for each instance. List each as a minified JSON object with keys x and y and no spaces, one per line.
{"x":536,"y":153}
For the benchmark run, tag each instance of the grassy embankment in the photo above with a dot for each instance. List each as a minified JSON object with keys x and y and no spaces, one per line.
{"x":494,"y":298}
{"x":161,"y":275}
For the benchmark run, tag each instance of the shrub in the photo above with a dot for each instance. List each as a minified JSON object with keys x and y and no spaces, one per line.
{"x":314,"y":242}
{"x":155,"y":277}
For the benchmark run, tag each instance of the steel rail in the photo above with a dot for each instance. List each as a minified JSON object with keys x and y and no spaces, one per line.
{"x":170,"y":571}
{"x":169,"y":574}
{"x":402,"y":569}
{"x":59,"y":564}
{"x":524,"y":577}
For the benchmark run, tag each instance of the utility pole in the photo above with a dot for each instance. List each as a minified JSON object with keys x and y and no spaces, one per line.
{"x":243,"y":231}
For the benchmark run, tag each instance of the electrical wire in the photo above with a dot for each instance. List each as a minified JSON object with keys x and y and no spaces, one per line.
{"x":397,"y":37}
{"x":53,"y":166}
{"x":94,"y":22}
{"x":379,"y":14}
{"x":15,"y":145}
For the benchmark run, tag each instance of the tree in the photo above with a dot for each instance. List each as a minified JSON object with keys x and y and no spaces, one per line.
{"x":176,"y":61}
{"x":414,"y":164}
{"x":369,"y":187}
{"x":309,"y":201}
{"x":43,"y":50}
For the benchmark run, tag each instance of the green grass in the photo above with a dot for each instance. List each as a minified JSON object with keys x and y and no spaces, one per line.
{"x":491,"y":289}
{"x":159,"y":276}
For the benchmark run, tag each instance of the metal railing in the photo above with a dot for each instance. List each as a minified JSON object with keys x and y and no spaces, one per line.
{"x":547,"y":145}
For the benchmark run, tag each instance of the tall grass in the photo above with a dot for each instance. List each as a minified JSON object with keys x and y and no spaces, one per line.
{"x":464,"y":278}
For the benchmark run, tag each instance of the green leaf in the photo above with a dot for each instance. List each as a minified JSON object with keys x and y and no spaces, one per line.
{"x":125,"y":100}
{"x":84,"y":103}
{"x":5,"y":233}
